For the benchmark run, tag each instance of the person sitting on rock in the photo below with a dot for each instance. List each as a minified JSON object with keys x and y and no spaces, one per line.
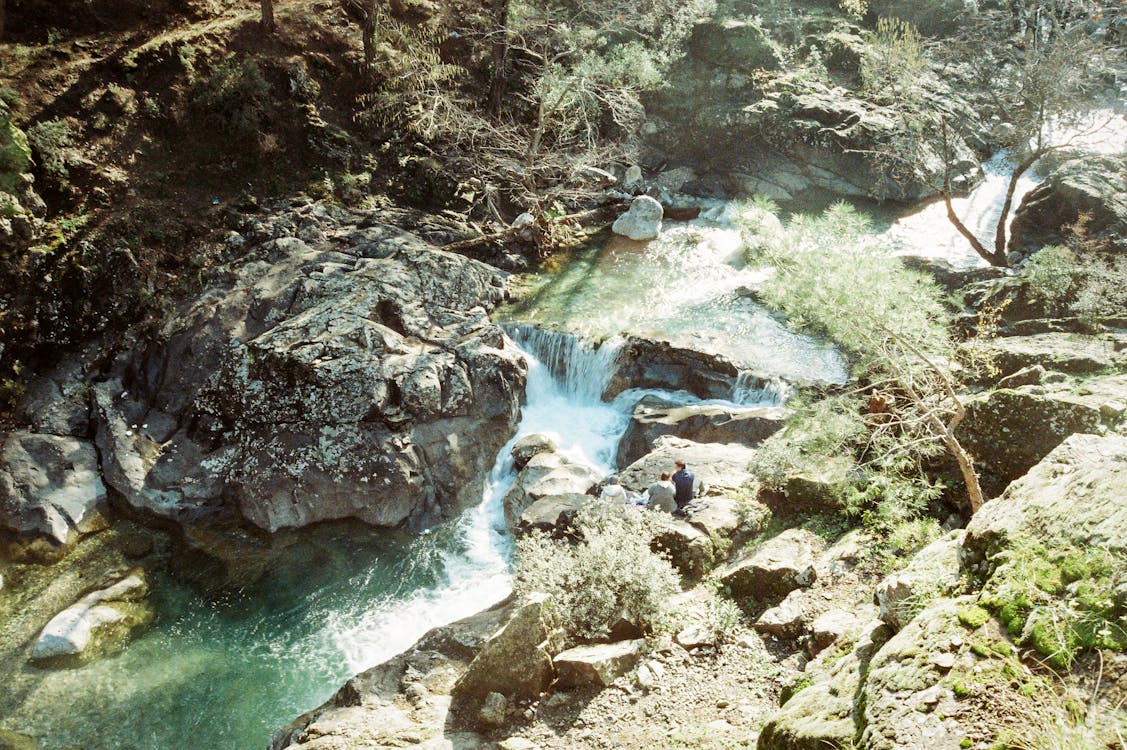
{"x":659,"y":496}
{"x":614,"y":492}
{"x":683,"y":487}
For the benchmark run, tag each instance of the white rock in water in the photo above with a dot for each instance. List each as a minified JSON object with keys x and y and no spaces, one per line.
{"x":69,"y":632}
{"x":642,"y":221}
{"x":523,"y":220}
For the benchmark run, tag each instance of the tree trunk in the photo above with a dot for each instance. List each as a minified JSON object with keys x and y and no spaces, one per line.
{"x":268,"y":25}
{"x":535,"y":233}
{"x":2,"y":19}
{"x":368,"y":33}
{"x":1000,"y":232}
{"x":500,"y":57}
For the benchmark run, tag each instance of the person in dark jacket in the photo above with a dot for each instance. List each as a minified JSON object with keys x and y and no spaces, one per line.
{"x":682,"y":486}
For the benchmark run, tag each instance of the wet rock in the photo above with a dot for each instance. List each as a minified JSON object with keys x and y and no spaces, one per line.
{"x":654,"y":417}
{"x":642,"y":221}
{"x":353,"y":378}
{"x":51,"y":493}
{"x":547,"y":475}
{"x":597,"y":664}
{"x":650,"y":363}
{"x":773,"y":569}
{"x":932,"y":573}
{"x":97,"y":623}
{"x":529,"y":446}
{"x":552,"y":514}
{"x":1090,"y":185}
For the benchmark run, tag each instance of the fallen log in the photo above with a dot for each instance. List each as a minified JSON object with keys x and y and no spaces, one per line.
{"x":542,"y":230}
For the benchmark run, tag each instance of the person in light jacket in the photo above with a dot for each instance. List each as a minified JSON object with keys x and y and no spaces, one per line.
{"x":660,"y":494}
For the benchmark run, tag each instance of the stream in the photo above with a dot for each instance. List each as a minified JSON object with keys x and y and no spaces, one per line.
{"x":228,"y":670}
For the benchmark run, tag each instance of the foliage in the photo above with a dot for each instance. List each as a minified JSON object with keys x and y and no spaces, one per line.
{"x":832,"y":278}
{"x":52,"y":142}
{"x":1050,"y":276}
{"x":611,"y":570}
{"x":1059,"y":602}
{"x":233,"y":97}
{"x":815,"y":433}
{"x":893,"y":61}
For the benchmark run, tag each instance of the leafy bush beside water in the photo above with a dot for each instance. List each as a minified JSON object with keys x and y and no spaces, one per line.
{"x":610,"y":572}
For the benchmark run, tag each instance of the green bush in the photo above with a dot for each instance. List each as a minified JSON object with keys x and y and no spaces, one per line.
{"x":610,"y":571}
{"x":232,"y":97}
{"x":52,"y":142}
{"x":1050,"y":274}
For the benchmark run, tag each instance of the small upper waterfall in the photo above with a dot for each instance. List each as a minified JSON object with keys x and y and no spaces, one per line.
{"x":582,"y":368}
{"x":754,"y":389}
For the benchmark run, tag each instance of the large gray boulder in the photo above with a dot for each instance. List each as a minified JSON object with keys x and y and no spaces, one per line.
{"x":597,"y":664}
{"x":720,"y":468}
{"x":547,"y":475}
{"x":654,"y":417}
{"x":1009,"y":430}
{"x":1071,"y":353}
{"x":770,"y":571}
{"x":50,"y":489}
{"x":932,"y":573}
{"x":1089,"y":185}
{"x":357,"y":377}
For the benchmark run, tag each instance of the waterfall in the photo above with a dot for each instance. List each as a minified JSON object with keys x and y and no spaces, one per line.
{"x":582,"y":368}
{"x":754,"y":389}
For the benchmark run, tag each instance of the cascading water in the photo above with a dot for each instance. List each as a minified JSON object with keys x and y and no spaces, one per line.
{"x":227,"y":672}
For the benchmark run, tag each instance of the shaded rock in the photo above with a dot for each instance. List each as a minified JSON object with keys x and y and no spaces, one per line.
{"x":514,"y":662}
{"x":649,"y":363}
{"x":654,"y":417}
{"x":733,"y":44}
{"x":933,"y":572}
{"x":97,"y":623}
{"x":773,"y":569}
{"x":809,"y":490}
{"x":493,"y":711}
{"x":597,"y":664}
{"x":642,"y":221}
{"x":529,"y":446}
{"x":358,"y":379}
{"x":1009,"y":431}
{"x":786,"y":620}
{"x":50,"y":489}
{"x":547,"y":475}
{"x":1073,"y":497}
{"x":690,"y":550}
{"x":949,"y":276}
{"x":719,"y":468}
{"x":406,"y":700}
{"x":1091,"y":185}
{"x":552,"y":514}
{"x":58,"y":402}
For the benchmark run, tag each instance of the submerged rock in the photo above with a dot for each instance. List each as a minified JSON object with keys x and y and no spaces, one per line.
{"x":98,"y":622}
{"x":356,"y":378}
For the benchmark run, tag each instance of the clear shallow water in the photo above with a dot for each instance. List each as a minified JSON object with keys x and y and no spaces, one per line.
{"x":689,"y":286}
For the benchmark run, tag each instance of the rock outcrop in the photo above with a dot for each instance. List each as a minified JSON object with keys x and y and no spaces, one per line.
{"x":1089,"y":185}
{"x":50,"y":492}
{"x":96,"y":624}
{"x":654,"y":417}
{"x":351,"y":374}
{"x":719,"y":467}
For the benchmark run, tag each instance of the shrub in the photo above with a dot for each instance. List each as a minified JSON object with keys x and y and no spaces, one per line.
{"x":233,"y":97}
{"x":610,"y":571}
{"x":1050,"y":274}
{"x":52,"y":141}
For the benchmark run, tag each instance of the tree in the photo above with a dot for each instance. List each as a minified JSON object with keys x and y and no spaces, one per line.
{"x":1041,"y":77}
{"x":894,"y":331}
{"x":268,"y":25}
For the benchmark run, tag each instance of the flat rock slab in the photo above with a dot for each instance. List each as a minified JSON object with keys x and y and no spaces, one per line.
{"x":654,"y":417}
{"x":1065,"y":352}
{"x":597,"y":664}
{"x":718,"y":466}
{"x":552,"y":514}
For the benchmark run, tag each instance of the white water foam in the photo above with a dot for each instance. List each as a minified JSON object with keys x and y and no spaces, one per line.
{"x":566,"y":379}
